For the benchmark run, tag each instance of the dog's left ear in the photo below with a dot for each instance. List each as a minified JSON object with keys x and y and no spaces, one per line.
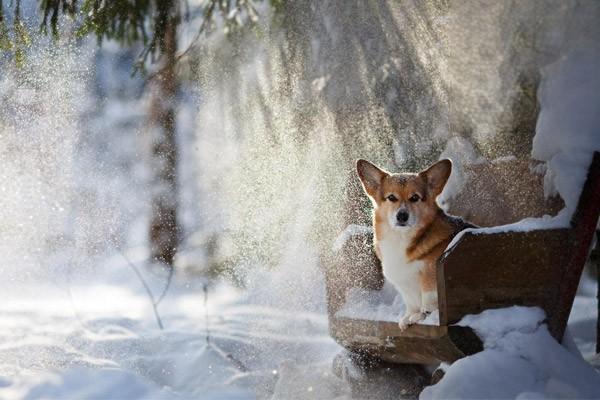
{"x":436,"y":176}
{"x":370,"y":176}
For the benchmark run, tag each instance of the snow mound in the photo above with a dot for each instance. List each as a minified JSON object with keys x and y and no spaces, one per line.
{"x":525,"y":225}
{"x":568,"y":128}
{"x":521,"y":360}
{"x":493,"y":325}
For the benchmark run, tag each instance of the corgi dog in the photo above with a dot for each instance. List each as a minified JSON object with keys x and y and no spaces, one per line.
{"x":411,"y":231}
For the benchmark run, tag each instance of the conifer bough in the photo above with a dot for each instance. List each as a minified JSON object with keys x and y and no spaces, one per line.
{"x":127,"y":21}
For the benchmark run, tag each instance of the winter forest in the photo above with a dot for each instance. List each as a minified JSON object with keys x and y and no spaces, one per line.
{"x":182,"y":217}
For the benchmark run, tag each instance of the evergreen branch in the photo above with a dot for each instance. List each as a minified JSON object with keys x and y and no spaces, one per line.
{"x":128,"y":22}
{"x":208,"y":15}
{"x":5,"y":42}
{"x":22,"y":38}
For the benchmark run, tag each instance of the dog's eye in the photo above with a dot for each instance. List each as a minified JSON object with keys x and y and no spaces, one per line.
{"x":414,"y":198}
{"x":392,"y":198}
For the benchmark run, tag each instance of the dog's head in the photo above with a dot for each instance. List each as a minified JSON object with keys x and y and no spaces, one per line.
{"x":404,"y":200}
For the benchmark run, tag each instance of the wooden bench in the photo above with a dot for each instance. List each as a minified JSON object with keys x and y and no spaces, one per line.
{"x":480,"y":271}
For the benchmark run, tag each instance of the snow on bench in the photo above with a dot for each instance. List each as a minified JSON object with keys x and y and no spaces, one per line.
{"x":378,"y":305}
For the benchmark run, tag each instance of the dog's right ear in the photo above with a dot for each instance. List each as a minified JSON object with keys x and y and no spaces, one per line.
{"x":371,"y":176}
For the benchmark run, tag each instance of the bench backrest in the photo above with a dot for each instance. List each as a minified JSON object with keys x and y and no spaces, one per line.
{"x":536,"y":268}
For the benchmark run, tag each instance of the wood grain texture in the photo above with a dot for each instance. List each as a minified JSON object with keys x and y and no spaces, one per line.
{"x":484,"y":271}
{"x":583,"y":224}
{"x":536,"y":268}
{"x":419,"y":344}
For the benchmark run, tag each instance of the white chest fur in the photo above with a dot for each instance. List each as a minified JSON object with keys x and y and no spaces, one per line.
{"x":404,"y":275}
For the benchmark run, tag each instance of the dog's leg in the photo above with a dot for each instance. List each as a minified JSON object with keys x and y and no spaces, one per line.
{"x":429,"y":301}
{"x":429,"y":298}
{"x":412,"y":300}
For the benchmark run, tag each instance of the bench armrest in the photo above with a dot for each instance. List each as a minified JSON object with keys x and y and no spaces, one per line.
{"x":494,"y":270}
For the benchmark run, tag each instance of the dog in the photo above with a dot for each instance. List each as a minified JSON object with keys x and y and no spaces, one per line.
{"x":411,"y":231}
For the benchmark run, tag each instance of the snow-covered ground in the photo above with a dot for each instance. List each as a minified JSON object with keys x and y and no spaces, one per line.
{"x":101,"y":341}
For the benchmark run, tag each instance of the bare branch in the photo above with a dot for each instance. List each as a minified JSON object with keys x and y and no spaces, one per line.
{"x":167,"y":285}
{"x":148,"y":291}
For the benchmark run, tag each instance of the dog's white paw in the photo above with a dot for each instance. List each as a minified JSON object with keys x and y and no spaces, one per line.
{"x":410,"y":319}
{"x":404,"y":322}
{"x":416,"y":317}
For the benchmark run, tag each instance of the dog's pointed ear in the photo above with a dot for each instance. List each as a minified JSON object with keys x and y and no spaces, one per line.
{"x":370,"y":176}
{"x":436,"y":176}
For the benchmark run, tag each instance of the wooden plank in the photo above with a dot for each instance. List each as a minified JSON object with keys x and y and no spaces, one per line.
{"x":419,"y":344}
{"x":495,"y":270}
{"x":583,"y":224}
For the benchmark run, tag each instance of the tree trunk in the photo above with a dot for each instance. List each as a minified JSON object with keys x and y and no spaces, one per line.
{"x":164,"y":224}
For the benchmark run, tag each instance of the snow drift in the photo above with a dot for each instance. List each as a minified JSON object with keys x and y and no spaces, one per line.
{"x":521,"y":360}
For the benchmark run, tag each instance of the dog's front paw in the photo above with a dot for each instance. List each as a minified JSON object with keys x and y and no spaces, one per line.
{"x":404,"y":322}
{"x":410,"y":319}
{"x":416,"y":317}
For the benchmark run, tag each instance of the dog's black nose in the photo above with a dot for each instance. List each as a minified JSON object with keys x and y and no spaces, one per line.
{"x":402,"y":216}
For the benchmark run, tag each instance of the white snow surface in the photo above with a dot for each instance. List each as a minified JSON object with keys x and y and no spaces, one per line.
{"x":100,"y":341}
{"x":527,"y":224}
{"x":520,"y":360}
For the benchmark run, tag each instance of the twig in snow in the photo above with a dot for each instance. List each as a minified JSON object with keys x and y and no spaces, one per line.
{"x":205,"y":290}
{"x":150,"y":295}
{"x":227,"y":356}
{"x":167,"y":284}
{"x":67,"y":290}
